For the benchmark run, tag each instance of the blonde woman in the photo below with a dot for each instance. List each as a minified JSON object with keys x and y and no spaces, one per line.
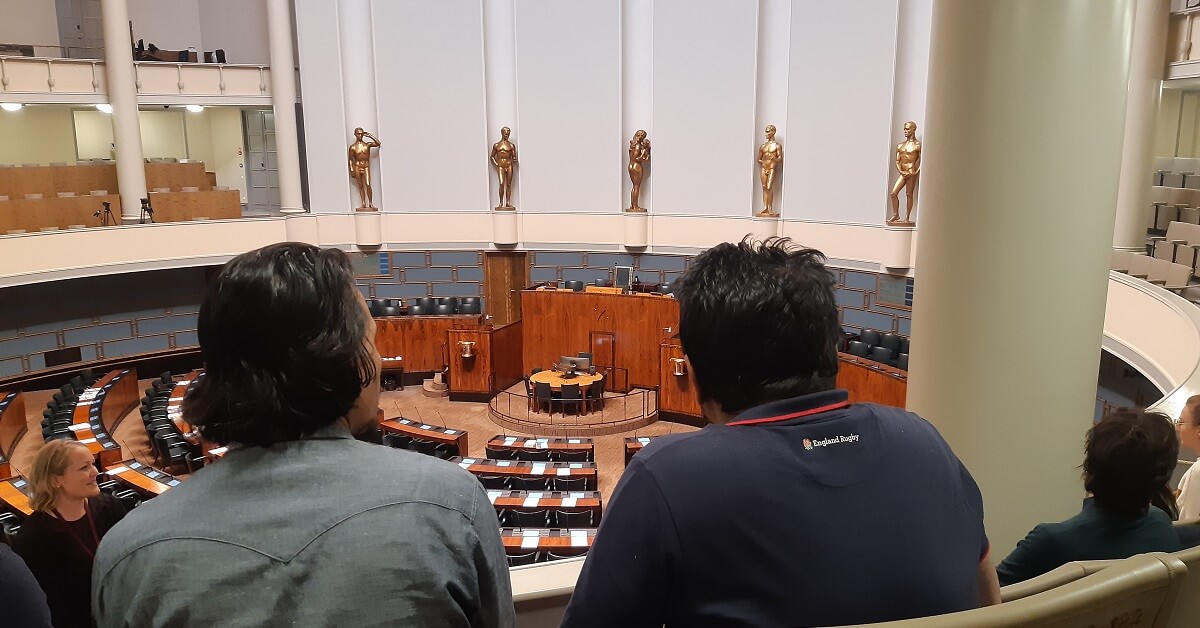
{"x":59,"y":540}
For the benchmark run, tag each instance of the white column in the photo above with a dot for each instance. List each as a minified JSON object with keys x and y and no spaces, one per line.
{"x":1012,"y":260}
{"x":358,"y":84}
{"x":500,"y":86}
{"x":1145,"y":86}
{"x":122,"y":95}
{"x":283,"y":99}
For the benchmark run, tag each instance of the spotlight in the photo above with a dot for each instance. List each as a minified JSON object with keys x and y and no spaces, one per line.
{"x":104,"y":107}
{"x":11,"y":106}
{"x":195,"y":108}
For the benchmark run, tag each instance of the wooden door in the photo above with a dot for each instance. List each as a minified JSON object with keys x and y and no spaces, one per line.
{"x":505,"y":274}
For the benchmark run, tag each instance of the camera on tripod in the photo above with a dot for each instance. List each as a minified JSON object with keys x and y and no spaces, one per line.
{"x":147,"y":212}
{"x":105,"y":214}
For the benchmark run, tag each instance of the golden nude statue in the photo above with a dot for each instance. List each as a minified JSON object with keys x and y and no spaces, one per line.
{"x":770,"y":155}
{"x":360,"y":165}
{"x":504,"y":158}
{"x":908,"y":164}
{"x":639,"y":153}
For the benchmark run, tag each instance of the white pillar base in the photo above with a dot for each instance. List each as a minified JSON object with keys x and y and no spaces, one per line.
{"x":637,"y":230}
{"x":898,"y":253}
{"x":504,"y":227}
{"x":368,"y":229}
{"x":302,"y":229}
{"x":764,"y":227}
{"x":289,"y":211}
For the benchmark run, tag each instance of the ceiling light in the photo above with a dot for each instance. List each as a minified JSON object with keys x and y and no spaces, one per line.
{"x":104,"y":107}
{"x":11,"y":106}
{"x":195,"y":108}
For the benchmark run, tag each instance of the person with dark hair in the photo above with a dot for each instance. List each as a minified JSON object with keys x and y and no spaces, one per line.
{"x":1127,"y":464}
{"x":299,"y":523}
{"x":793,"y":507}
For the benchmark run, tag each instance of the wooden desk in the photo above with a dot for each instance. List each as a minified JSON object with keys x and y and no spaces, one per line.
{"x":555,"y":444}
{"x":634,"y":445}
{"x":13,"y":495}
{"x":13,"y":425}
{"x":99,"y":408}
{"x":495,"y":363}
{"x":556,"y":380}
{"x":518,"y":540}
{"x":870,"y":381}
{"x":142,"y":478}
{"x":521,"y":468}
{"x":566,"y":501}
{"x":420,"y":340}
{"x":425,"y":431}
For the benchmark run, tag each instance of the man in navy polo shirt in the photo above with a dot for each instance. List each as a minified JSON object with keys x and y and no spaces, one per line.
{"x":794,"y":507}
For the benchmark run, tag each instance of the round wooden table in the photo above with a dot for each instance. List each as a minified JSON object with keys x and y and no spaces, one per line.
{"x":556,"y":381}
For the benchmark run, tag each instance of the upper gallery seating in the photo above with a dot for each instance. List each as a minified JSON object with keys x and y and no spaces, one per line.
{"x":426,"y":306}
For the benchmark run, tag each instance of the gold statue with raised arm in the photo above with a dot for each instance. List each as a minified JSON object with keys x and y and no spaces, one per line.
{"x":504,"y":158}
{"x":908,"y":164}
{"x":359,"y":155}
{"x":639,"y":153}
{"x":770,"y":155}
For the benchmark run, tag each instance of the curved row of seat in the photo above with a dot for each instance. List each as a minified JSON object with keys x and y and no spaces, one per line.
{"x":888,"y":348}
{"x":171,"y":447}
{"x":60,"y":410}
{"x":425,"y":306}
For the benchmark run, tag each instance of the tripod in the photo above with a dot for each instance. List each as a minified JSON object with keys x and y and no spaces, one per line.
{"x":147,"y":212}
{"x":105,"y":214}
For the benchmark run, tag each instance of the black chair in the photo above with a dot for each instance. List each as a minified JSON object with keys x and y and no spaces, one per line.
{"x":603,"y":283}
{"x":451,"y":301}
{"x":417,"y":310}
{"x":902,"y":362}
{"x":389,"y":310}
{"x":534,"y":370}
{"x":443,"y":309}
{"x":470,"y":305}
{"x":426,"y":447}
{"x":563,"y":553}
{"x":663,"y":288}
{"x":375,"y":307}
{"x":398,"y":441}
{"x":128,"y":498}
{"x":595,"y":394}
{"x":869,"y":336}
{"x":529,"y":518}
{"x":443,"y":451}
{"x":528,"y":483}
{"x":531,"y":455}
{"x":903,"y":344}
{"x":393,"y":302}
{"x":571,"y":395}
{"x":574,"y":285}
{"x":891,"y":341}
{"x":544,"y":394}
{"x":516,"y":560}
{"x":495,"y":453}
{"x":570,"y":484}
{"x":860,"y":349}
{"x":575,"y":519}
{"x":495,"y":482}
{"x":77,"y":384}
{"x":881,"y":354}
{"x":425,"y":303}
{"x":577,"y":455}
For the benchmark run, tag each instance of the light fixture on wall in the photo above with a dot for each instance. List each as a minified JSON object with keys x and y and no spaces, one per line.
{"x":195,"y":108}
{"x":678,"y":367}
{"x":11,"y":106}
{"x":104,"y":107}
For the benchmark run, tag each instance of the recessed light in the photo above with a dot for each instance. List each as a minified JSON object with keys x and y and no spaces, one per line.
{"x":104,"y":107}
{"x":11,"y":106}
{"x":195,"y":108}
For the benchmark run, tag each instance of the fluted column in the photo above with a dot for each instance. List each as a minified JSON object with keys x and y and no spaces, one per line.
{"x":1141,"y":114}
{"x":122,"y":95}
{"x":283,"y":100}
{"x":1012,"y":259}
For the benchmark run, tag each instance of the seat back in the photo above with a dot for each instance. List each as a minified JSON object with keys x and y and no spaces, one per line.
{"x":375,"y":307}
{"x":1141,"y":591}
{"x":571,"y":392}
{"x":575,"y":519}
{"x":417,"y":310}
{"x":470,"y":305}
{"x":891,"y":341}
{"x":530,"y":518}
{"x":516,"y":560}
{"x":1139,"y":265}
{"x":1158,"y":270}
{"x":902,"y":361}
{"x":860,"y":349}
{"x":443,"y":309}
{"x":1187,"y":607}
{"x":869,"y":336}
{"x":542,"y":391}
{"x":1119,"y":260}
{"x":528,"y":483}
{"x":880,"y":354}
{"x":1178,"y":275}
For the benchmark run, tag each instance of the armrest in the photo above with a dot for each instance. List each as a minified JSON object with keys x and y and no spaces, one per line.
{"x":1139,"y":275}
{"x":1158,"y":282}
{"x":1157,"y":238}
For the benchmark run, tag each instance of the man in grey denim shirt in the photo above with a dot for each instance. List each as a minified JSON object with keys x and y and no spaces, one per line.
{"x":301,"y":524}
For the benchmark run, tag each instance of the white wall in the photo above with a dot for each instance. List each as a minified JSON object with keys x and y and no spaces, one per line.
{"x":36,"y":134}
{"x":569,"y":105}
{"x":228,"y":154}
{"x":173,"y":25}
{"x":704,"y":137}
{"x":237,"y":26}
{"x":163,"y":134}
{"x":432,"y":121}
{"x":28,"y":22}
{"x":325,"y":140}
{"x":840,"y":111}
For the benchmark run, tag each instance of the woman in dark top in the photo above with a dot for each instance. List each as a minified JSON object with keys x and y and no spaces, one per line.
{"x":58,"y":541}
{"x":1127,"y":466}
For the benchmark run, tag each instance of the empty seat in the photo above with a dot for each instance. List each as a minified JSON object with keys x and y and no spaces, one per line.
{"x":529,"y":518}
{"x":495,"y":453}
{"x":425,"y":303}
{"x":536,"y":455}
{"x":881,"y":354}
{"x":1139,"y":266}
{"x":375,"y":307}
{"x":516,"y":560}
{"x":869,"y":336}
{"x":1119,"y":260}
{"x":574,"y":285}
{"x":451,"y":301}
{"x":891,"y":341}
{"x":860,"y":349}
{"x":561,"y":553}
{"x":443,"y":309}
{"x":580,"y":455}
{"x":417,"y":310}
{"x":529,"y":483}
{"x":567,"y":483}
{"x":495,"y":482}
{"x":389,"y":310}
{"x":470,"y":305}
{"x":902,"y":362}
{"x":583,"y":519}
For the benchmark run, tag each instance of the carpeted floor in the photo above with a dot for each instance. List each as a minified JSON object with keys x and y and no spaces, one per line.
{"x":410,"y":403}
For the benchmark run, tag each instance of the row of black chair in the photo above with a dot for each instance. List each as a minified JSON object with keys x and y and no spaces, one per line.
{"x":60,"y":410}
{"x":427,"y":447}
{"x":546,"y":518}
{"x":171,"y":448}
{"x":516,"y":560}
{"x":888,"y":348}
{"x":534,"y":482}
{"x":424,"y":306}
{"x":538,"y":455}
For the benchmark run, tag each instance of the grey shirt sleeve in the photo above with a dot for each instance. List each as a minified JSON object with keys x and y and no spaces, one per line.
{"x":495,"y":587}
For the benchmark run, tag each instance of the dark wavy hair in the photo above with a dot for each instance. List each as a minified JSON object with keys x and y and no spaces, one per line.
{"x":758,"y":322}
{"x":1128,"y":461}
{"x":282,"y":333}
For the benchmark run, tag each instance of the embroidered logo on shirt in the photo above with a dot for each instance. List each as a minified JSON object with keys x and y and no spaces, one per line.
{"x":832,"y":440}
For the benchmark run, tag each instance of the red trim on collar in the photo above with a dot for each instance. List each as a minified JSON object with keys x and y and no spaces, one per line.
{"x":794,"y":415}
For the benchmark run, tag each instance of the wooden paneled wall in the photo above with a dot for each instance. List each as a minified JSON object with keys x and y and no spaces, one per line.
{"x":676,"y":393}
{"x":872,"y":382}
{"x":507,"y":348}
{"x":560,"y":323}
{"x":418,"y":339}
{"x":12,"y":425}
